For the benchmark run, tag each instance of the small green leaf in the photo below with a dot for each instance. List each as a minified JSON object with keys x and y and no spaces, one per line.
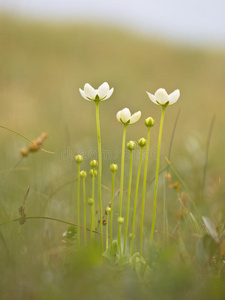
{"x":112,"y":252}
{"x":123,"y":260}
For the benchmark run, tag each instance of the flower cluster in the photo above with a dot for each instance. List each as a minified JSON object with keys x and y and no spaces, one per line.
{"x":124,"y":116}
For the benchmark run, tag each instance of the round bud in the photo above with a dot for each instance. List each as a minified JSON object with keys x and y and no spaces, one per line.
{"x":83,"y":174}
{"x":120,"y":220}
{"x":90,"y":201}
{"x":142,"y":142}
{"x":131,"y":235}
{"x":24,"y":152}
{"x":33,"y":147}
{"x":78,"y":159}
{"x":113,"y":167}
{"x":94,"y":163}
{"x":93,"y":173}
{"x":108,"y":210}
{"x":149,"y":122}
{"x":131,"y":145}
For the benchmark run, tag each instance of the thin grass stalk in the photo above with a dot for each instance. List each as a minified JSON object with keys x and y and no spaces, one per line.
{"x":157,"y":174}
{"x":220,"y":211}
{"x":128,"y":202}
{"x":78,"y":204}
{"x":112,"y":207}
{"x":135,"y":203}
{"x":121,"y":185}
{"x":99,"y":172}
{"x":85,"y":211}
{"x":144,"y":190}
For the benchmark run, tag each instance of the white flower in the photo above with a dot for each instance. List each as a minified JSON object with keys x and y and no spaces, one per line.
{"x":162,"y":98}
{"x":124,"y":116}
{"x":100,"y":94}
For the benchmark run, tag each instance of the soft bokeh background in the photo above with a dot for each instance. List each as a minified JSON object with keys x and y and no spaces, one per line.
{"x":49,"y":49}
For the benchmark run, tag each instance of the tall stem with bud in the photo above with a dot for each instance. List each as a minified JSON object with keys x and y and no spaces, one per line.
{"x":121,"y":184}
{"x":157,"y":174}
{"x":99,"y":172}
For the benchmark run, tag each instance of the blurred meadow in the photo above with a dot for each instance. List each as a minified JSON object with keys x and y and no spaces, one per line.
{"x":43,"y":65}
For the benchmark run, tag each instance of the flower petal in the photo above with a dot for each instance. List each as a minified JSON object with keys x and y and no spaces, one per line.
{"x":83,"y":94}
{"x":152,"y":98}
{"x":118,"y":116}
{"x":103,"y":90}
{"x":89,"y":91}
{"x":125,"y":115}
{"x":135,"y":117}
{"x":109,"y":94}
{"x":161,"y":96}
{"x":174,"y":96}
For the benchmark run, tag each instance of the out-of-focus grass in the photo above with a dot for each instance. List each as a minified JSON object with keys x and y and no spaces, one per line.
{"x":42,"y":67}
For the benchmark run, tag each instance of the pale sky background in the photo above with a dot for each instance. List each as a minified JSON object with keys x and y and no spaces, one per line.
{"x":190,"y":21}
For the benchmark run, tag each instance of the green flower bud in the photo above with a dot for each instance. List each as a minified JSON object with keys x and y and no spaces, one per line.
{"x":131,"y":235}
{"x":131,"y":145}
{"x":120,"y":220}
{"x":90,"y":201}
{"x":149,"y":122}
{"x":113,"y":167}
{"x":83,"y":174}
{"x":142,"y":142}
{"x":93,"y":173}
{"x":78,"y":159}
{"x":108,"y":210}
{"x":94,"y":163}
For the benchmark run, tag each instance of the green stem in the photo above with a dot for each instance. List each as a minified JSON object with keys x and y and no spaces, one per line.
{"x":99,"y":172}
{"x":84,"y":201}
{"x":144,"y":190}
{"x":92,"y":224}
{"x":135,"y":202}
{"x":121,"y":184}
{"x":107,"y":231}
{"x":128,"y":202}
{"x":165,"y":218}
{"x":78,"y":204}
{"x":93,"y":207}
{"x":220,"y":212}
{"x":157,"y":174}
{"x":112,"y":204}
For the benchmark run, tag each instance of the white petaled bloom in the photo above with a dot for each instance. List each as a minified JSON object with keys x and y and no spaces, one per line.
{"x":162,"y":98}
{"x":100,"y":94}
{"x":124,"y":116}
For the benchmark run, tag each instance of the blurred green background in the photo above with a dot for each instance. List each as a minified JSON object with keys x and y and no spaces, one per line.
{"x":42,"y":67}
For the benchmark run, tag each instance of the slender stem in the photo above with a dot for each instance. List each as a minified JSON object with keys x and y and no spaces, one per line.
{"x":78,"y":203}
{"x":157,"y":174}
{"x":84,"y":199}
{"x":165,"y":218}
{"x":135,"y":202}
{"x":93,"y":206}
{"x":144,"y":190}
{"x":128,"y":202}
{"x":107,"y":231}
{"x":220,"y":214}
{"x":112,"y":204}
{"x":92,"y":224}
{"x":207,"y":154}
{"x":121,"y":184}
{"x":99,"y":171}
